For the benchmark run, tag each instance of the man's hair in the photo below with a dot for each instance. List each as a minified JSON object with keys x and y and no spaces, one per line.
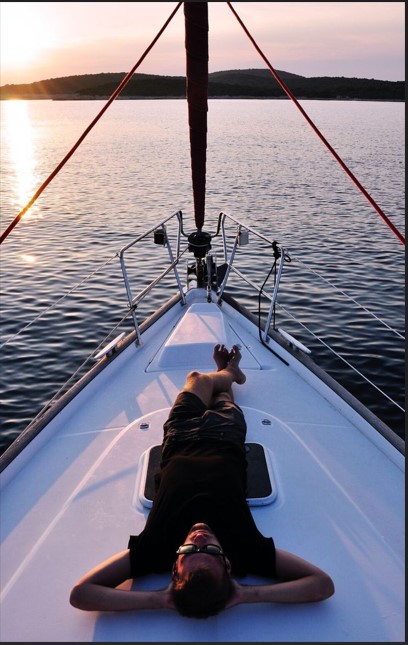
{"x":201,"y":594}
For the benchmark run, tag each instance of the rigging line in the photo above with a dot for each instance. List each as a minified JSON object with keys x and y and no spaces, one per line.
{"x":54,"y":397}
{"x":62,"y":163}
{"x":319,"y":134}
{"x":341,"y":357}
{"x":259,"y":315}
{"x":351,"y":259}
{"x":56,"y":302}
{"x":351,"y":298}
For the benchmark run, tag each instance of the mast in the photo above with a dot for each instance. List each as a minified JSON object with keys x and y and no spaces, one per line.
{"x":196,"y":43}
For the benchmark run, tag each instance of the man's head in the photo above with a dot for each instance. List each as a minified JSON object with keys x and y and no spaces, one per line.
{"x":201,"y":575}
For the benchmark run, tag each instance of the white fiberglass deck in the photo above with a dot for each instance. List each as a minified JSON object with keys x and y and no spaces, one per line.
{"x":71,"y":498}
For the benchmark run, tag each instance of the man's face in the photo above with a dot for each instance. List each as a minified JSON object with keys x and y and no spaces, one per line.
{"x":200,"y":535}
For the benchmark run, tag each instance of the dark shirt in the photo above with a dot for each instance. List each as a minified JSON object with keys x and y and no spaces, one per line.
{"x":203,"y":482}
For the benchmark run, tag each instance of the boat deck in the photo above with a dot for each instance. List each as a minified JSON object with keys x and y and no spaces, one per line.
{"x":338,"y":497}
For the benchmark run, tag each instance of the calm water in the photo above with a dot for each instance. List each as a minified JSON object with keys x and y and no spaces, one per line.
{"x":265,"y":166}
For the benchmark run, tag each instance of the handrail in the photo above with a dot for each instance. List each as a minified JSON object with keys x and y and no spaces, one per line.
{"x":223,"y":216}
{"x":177,"y":214}
{"x":282,"y":256}
{"x":174,"y":259}
{"x":275,"y":295}
{"x":133,"y":301}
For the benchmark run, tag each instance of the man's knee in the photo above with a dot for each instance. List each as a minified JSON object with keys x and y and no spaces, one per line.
{"x":193,"y":374}
{"x":194,"y":377}
{"x":199,"y":384}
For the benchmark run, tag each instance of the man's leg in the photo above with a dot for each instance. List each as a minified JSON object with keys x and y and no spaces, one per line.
{"x":216,"y":386}
{"x":221,"y":357}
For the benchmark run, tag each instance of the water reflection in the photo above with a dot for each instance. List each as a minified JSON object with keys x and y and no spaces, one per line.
{"x":19,"y":135}
{"x":29,"y":259}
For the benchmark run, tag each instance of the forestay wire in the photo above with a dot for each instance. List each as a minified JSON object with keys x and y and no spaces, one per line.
{"x":317,"y":131}
{"x":56,"y":170}
{"x":201,"y":172}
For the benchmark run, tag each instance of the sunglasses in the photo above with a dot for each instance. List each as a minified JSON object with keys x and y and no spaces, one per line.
{"x":211,"y":549}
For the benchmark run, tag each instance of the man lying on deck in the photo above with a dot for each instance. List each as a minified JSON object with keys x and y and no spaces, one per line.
{"x":200,"y":527}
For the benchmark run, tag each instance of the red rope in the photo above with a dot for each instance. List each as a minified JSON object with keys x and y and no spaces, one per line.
{"x":88,"y":129}
{"x":319,"y":134}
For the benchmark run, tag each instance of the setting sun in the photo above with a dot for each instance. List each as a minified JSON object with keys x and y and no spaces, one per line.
{"x":24,"y":36}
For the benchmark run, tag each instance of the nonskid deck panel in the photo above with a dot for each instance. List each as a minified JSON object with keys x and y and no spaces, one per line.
{"x":339,"y":503}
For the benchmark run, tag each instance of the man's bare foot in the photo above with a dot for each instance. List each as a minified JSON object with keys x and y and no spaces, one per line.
{"x":221,"y":357}
{"x":233,"y":365}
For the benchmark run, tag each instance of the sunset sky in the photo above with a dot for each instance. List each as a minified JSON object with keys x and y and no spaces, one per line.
{"x":43,"y":40}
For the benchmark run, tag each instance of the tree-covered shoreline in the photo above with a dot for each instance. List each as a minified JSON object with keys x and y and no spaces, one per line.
{"x":250,"y":83}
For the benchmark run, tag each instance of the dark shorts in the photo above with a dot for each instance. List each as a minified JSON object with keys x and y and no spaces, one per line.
{"x":190,"y":421}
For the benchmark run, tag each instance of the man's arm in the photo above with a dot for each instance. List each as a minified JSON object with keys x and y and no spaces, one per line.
{"x":97,"y":591}
{"x":298,"y":581}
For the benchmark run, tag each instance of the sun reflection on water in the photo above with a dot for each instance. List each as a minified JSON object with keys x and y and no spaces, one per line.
{"x":28,"y":259}
{"x":19,"y":135}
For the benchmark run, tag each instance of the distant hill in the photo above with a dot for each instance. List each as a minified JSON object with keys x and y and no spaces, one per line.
{"x":247,"y":83}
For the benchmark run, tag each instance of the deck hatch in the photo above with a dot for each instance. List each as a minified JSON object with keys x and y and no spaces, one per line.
{"x":261,"y":487}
